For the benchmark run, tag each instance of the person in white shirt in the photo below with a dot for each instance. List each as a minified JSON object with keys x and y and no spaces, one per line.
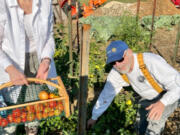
{"x":26,"y":48}
{"x":155,"y":107}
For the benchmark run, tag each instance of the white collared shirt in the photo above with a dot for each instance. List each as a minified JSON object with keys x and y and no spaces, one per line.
{"x":166,"y":76}
{"x":12,"y":47}
{"x":29,"y":39}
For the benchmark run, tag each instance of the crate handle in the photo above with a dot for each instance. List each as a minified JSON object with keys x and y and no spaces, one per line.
{"x":9,"y":84}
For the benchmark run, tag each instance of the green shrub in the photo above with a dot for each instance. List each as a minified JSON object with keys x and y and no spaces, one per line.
{"x":59,"y":125}
{"x":132,"y":33}
{"x":119,"y":118}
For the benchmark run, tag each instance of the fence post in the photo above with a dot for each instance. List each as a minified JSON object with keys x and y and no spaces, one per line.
{"x":137,"y":13}
{"x":60,"y":12}
{"x":84,"y":63}
{"x":176,"y":44}
{"x":152,"y":25}
{"x":77,"y":25}
{"x":70,"y":39}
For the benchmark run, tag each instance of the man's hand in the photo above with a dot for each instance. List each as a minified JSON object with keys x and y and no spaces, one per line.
{"x":155,"y":110}
{"x":16,"y":77}
{"x":90,"y":123}
{"x":43,"y":69}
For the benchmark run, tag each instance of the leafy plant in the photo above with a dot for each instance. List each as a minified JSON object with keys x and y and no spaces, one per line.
{"x":124,"y":28}
{"x":97,"y":63}
{"x":160,"y":21}
{"x":119,"y":118}
{"x":132,"y":33}
{"x":61,"y":58}
{"x":59,"y":125}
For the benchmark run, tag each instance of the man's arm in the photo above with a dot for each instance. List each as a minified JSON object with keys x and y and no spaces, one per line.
{"x":169,"y":78}
{"x":112,"y":87}
{"x":105,"y":99}
{"x":173,"y":91}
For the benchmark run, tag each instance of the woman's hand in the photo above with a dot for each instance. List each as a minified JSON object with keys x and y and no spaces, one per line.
{"x":43,"y":69}
{"x":16,"y":77}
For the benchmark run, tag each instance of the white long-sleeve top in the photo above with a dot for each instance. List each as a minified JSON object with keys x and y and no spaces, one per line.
{"x":12,"y":35}
{"x":29,"y":39}
{"x":165,"y":75}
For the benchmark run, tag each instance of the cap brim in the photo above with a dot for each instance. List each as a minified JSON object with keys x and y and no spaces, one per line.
{"x":114,"y":58}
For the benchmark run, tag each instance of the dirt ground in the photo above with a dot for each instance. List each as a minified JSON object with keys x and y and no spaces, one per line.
{"x":114,"y":8}
{"x":164,"y":44}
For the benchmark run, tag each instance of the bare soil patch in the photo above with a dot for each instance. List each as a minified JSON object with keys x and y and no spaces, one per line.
{"x":114,"y":8}
{"x":164,"y":44}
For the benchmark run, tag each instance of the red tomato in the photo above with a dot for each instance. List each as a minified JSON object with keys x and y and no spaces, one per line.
{"x":45,"y":115}
{"x":39,"y":115}
{"x":16,"y":112}
{"x":30,"y":117}
{"x":10,"y":118}
{"x":30,"y":109}
{"x":24,"y":120}
{"x":4,"y":122}
{"x":52,"y":104}
{"x":23,"y":115}
{"x":17,"y":120}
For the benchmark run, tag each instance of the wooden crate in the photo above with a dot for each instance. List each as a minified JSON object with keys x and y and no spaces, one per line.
{"x":30,"y":110}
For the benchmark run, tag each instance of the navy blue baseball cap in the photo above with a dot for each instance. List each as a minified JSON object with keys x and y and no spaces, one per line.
{"x":115,"y":51}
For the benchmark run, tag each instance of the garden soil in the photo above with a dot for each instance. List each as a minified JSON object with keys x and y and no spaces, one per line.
{"x":114,"y":8}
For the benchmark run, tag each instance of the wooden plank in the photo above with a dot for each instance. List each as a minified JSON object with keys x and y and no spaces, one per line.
{"x":67,"y":111}
{"x":137,"y":12}
{"x":152,"y":25}
{"x":84,"y":62}
{"x":60,"y":12}
{"x":70,"y":40}
{"x":176,"y":44}
{"x":32,"y":103}
{"x":77,"y":25}
{"x":9,"y":84}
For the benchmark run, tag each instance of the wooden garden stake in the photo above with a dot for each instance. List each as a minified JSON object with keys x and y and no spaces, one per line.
{"x":84,"y":63}
{"x":60,"y":12}
{"x":137,"y":13}
{"x":152,"y":25}
{"x":77,"y":25}
{"x":176,"y":44}
{"x":70,"y":39}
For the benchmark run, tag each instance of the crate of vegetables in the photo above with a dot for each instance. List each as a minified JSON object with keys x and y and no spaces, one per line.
{"x":48,"y":103}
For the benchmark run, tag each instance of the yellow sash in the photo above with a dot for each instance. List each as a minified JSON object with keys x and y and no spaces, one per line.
{"x":146,"y":73}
